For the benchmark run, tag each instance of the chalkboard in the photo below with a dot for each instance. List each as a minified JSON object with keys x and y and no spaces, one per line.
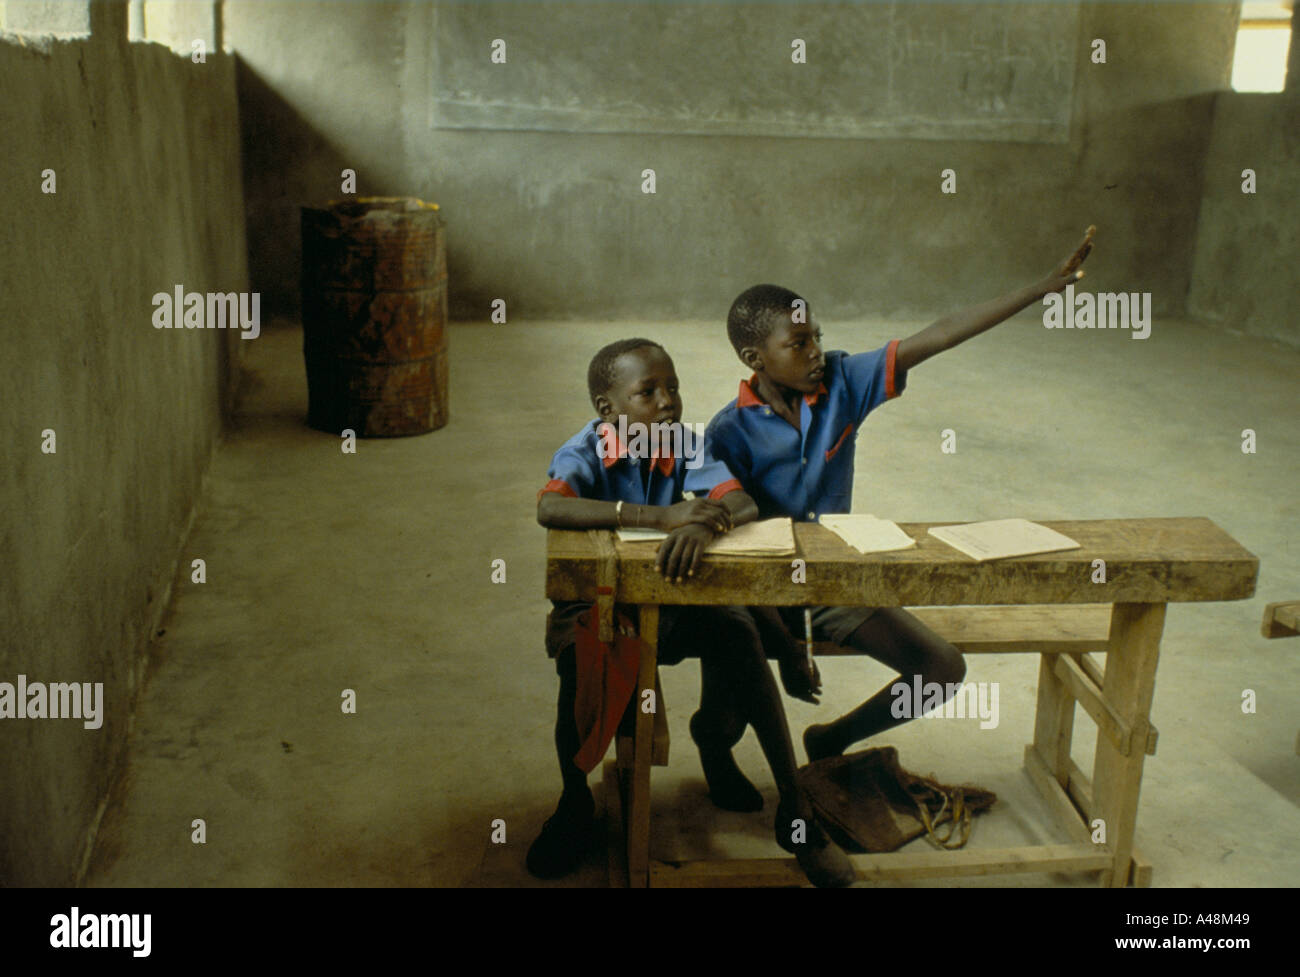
{"x":898,"y":70}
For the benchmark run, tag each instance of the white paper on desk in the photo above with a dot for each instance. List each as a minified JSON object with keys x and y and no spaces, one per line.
{"x":640,"y":535}
{"x":768,"y":537}
{"x":867,"y":534}
{"x":1000,"y":538}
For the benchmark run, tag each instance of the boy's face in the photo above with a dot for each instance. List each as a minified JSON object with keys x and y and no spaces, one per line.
{"x":791,"y":356}
{"x":644,"y":389}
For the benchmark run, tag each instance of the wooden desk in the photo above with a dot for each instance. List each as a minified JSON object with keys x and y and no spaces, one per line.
{"x":1148,"y":563}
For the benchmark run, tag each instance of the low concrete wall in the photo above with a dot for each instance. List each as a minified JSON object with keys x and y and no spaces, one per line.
{"x":1247,"y":244}
{"x":145,"y":153}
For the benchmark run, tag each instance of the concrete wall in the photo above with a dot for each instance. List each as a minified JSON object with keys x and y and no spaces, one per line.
{"x":59,"y":17}
{"x":556,"y":224}
{"x":1247,"y":245}
{"x":145,"y":153}
{"x":179,"y":23}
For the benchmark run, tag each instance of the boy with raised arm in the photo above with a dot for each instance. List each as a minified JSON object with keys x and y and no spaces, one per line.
{"x":790,"y":437}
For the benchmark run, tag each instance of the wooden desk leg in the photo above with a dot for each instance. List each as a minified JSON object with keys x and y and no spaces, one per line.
{"x":1130,"y":682}
{"x":638,"y":821}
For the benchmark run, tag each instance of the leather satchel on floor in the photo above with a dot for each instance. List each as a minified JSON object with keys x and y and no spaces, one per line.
{"x":867,"y":802}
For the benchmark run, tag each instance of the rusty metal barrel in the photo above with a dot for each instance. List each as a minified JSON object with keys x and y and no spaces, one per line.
{"x":374,"y":316}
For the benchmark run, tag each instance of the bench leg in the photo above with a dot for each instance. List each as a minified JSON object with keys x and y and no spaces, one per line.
{"x":1053,"y":721}
{"x":615,"y":826}
{"x":659,"y":753}
{"x":1142,"y":871}
{"x":638,"y":804}
{"x":1130,"y":678}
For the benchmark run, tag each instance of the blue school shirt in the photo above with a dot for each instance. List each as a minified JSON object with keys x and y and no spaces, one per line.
{"x":579,"y":470}
{"x":805,"y":473}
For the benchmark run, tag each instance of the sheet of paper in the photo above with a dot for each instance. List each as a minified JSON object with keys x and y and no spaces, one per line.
{"x":1000,"y":538}
{"x":768,"y":537}
{"x":867,"y":534}
{"x":639,"y":535}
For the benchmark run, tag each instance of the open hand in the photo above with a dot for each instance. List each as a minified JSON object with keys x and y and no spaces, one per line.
{"x":1068,"y":271}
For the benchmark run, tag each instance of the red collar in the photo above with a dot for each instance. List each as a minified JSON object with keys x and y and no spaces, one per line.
{"x":748,"y":398}
{"x":616,"y":450}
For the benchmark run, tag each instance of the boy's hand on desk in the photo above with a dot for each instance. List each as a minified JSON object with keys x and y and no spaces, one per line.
{"x":800,"y":677}
{"x":702,"y":512}
{"x":1068,"y":271}
{"x":679,"y":554}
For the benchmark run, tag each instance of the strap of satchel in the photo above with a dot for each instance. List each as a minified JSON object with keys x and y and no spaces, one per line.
{"x":953,"y":811}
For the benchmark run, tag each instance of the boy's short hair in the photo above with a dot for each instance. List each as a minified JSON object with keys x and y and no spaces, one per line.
{"x":756,"y":311}
{"x":600,"y":374}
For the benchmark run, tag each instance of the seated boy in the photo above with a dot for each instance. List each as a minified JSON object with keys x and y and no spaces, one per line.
{"x":789,"y":437}
{"x":595,"y":482}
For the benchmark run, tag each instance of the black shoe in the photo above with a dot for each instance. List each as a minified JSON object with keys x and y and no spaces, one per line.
{"x":783,"y":827}
{"x":562,"y":844}
{"x":823,"y":861}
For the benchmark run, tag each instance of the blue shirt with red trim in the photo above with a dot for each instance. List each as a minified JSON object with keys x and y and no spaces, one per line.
{"x":804,"y":473}
{"x":582,"y":469}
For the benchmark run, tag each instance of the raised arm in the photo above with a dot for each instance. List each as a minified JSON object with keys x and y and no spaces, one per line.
{"x":961,"y":326}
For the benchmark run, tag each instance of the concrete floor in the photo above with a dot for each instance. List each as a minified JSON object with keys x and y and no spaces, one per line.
{"x":328,"y":571}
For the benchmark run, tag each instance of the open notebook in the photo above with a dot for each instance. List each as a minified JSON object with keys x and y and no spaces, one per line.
{"x":1000,"y":538}
{"x":768,"y":537}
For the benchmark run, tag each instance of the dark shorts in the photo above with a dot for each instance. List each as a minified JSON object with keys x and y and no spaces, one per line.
{"x":684,"y":631}
{"x":829,"y":623}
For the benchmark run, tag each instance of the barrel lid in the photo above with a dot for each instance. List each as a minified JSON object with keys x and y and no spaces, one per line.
{"x":359,"y":206}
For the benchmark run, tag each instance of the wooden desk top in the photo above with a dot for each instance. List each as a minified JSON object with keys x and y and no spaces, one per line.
{"x":1147,"y":561}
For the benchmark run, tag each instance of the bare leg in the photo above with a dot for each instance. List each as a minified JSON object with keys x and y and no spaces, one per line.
{"x":560,"y":847}
{"x":718,"y":726}
{"x":899,"y":640}
{"x":739,"y":689}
